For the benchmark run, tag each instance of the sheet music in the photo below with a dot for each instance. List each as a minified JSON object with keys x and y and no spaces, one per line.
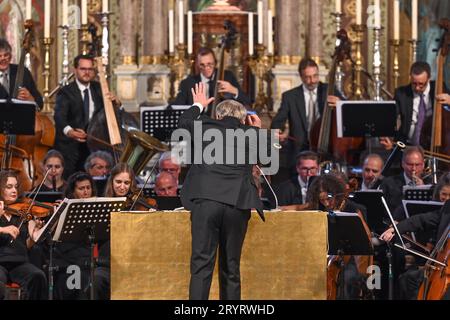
{"x":17,"y":101}
{"x":50,"y":225}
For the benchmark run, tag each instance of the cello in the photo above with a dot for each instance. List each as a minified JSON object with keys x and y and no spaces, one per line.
{"x":323,"y":134}
{"x":437,"y":278}
{"x":225,"y":45}
{"x":439,"y":124}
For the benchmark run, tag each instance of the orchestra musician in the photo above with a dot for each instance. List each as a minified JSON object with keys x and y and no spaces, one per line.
{"x":99,"y":164}
{"x":372,"y":166}
{"x":15,"y":243}
{"x":76,"y":104}
{"x":8,"y":73}
{"x":166,"y":185}
{"x":301,"y":107}
{"x":206,"y":63}
{"x":54,"y":161}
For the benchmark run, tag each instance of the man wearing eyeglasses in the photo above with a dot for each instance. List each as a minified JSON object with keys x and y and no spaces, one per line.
{"x":206,"y":64}
{"x":76,"y":104}
{"x":8,"y":73}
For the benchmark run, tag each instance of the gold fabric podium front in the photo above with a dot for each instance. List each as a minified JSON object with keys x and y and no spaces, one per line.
{"x":283,"y":258}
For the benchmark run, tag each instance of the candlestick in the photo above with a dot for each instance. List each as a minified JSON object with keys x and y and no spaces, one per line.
{"x":190,"y":32}
{"x":395,"y":43}
{"x":414,"y":43}
{"x":65,"y":60}
{"x":377,"y":64}
{"x":339,"y":73}
{"x":260,"y":22}
{"x":180,"y":22}
{"x":47,"y":12}
{"x":377,"y":13}
{"x":414,"y":17}
{"x":47,"y":42}
{"x":250,"y":34}
{"x":261,"y":66}
{"x":65,"y":12}
{"x":105,"y":37}
{"x":357,"y":85}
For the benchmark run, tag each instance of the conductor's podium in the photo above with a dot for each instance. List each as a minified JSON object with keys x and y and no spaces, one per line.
{"x":283,"y":258}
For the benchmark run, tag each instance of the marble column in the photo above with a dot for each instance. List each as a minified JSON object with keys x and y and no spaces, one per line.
{"x":154,"y":31}
{"x":315,"y":36}
{"x":128,"y":29}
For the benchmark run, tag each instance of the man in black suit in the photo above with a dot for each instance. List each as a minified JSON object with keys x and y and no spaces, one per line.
{"x":219,"y":195}
{"x":206,"y":63}
{"x":413,"y":165}
{"x":415,"y":103}
{"x":76,"y":104}
{"x":8,"y":73}
{"x":438,"y":220}
{"x":302,"y":106}
{"x":293,"y":191}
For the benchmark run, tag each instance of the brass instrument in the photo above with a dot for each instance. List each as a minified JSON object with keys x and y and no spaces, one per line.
{"x":140,"y":148}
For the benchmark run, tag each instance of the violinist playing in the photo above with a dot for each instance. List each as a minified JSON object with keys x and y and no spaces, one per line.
{"x":15,"y":243}
{"x":122,"y":183}
{"x":435,"y":220}
{"x":8,"y":73}
{"x":54,"y":161}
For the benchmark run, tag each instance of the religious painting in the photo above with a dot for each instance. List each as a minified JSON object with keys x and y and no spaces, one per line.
{"x":223,"y":5}
{"x":11,"y":17}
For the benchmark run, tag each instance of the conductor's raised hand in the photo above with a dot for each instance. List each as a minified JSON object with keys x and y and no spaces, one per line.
{"x":253,"y":120}
{"x":199,"y":95}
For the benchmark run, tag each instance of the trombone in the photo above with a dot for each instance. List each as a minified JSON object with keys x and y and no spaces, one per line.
{"x":437,"y":156}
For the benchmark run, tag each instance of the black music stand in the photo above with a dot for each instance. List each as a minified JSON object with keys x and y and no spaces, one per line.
{"x":369,"y":119}
{"x":418,"y":193}
{"x":80,"y":220}
{"x":168,"y":203}
{"x":376,"y":214}
{"x":17,"y":117}
{"x":161,"y":121}
{"x":347,"y":236}
{"x":414,"y":207}
{"x":46,"y":196}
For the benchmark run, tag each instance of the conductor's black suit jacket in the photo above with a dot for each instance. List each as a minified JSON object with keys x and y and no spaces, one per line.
{"x":69,"y":112}
{"x":28,"y":83}
{"x":230,"y":184}
{"x":184,"y":96}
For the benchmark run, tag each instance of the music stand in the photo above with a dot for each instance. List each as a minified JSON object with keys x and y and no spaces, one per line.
{"x":161,"y":121}
{"x":79,"y":220}
{"x":168,"y":203}
{"x":412,"y":208}
{"x":371,"y":199}
{"x":419,"y":193}
{"x":45,"y":196}
{"x":347,"y":236}
{"x":367,"y":119}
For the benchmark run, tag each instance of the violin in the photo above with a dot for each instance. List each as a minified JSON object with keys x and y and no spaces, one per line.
{"x":138,"y":203}
{"x":22,"y":209}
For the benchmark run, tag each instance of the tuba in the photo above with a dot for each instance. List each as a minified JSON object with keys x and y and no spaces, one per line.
{"x":140,"y":148}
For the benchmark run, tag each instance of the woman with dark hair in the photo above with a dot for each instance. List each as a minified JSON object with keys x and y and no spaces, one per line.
{"x":80,"y":186}
{"x":15,"y":243}
{"x":54,"y":162}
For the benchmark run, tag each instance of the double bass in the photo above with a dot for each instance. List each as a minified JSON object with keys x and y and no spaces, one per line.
{"x":435,"y":134}
{"x":323,"y":134}
{"x":23,"y":153}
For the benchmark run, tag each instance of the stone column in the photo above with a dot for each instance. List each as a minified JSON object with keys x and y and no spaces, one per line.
{"x":315,"y":30}
{"x":154,"y":31}
{"x":128,"y":29}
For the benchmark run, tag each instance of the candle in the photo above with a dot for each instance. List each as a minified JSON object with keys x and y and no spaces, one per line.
{"x":180,"y":22}
{"x":377,"y":13}
{"x":47,"y":11}
{"x":414,"y":16}
{"x":65,"y":12}
{"x":171,"y":31}
{"x":269,"y":32}
{"x":338,"y":6}
{"x":359,"y":12}
{"x":28,"y":10}
{"x":250,"y":33}
{"x":190,"y":33}
{"x":396,"y":19}
{"x":84,"y":13}
{"x":105,"y":6}
{"x":260,"y":22}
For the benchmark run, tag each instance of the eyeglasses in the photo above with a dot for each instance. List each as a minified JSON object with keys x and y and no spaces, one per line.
{"x":86,"y":69}
{"x":207,"y":65}
{"x":312,"y":169}
{"x":100,"y":167}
